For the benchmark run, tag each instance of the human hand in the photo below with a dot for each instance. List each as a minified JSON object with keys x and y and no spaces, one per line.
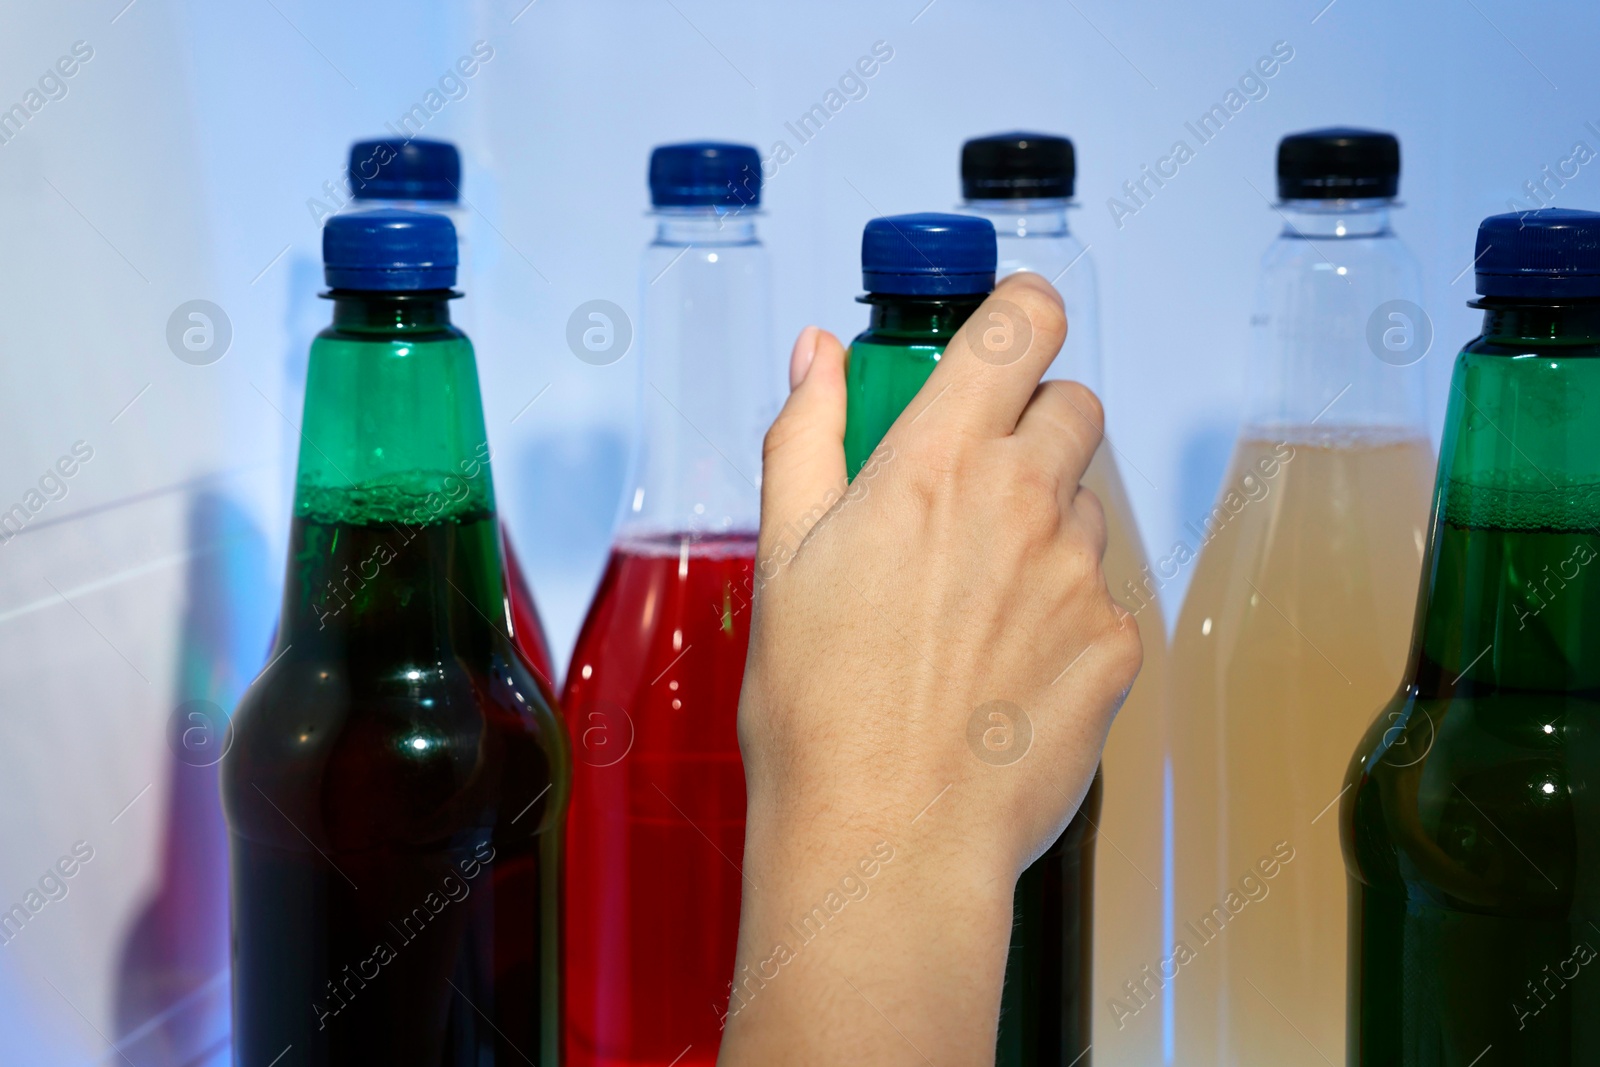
{"x":961,"y":568}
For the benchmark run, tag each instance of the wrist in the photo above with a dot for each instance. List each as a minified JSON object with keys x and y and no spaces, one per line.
{"x":877,"y":893}
{"x":892,"y":924}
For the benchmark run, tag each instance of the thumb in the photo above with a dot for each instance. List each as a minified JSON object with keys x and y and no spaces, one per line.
{"x":803,"y":469}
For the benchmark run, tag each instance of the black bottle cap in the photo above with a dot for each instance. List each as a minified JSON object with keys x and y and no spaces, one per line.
{"x":1018,"y":166}
{"x":1338,"y":163}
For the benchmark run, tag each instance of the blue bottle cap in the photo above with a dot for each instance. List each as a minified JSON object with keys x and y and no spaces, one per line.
{"x":705,"y":174}
{"x":405,"y":170}
{"x":1552,"y":253}
{"x":389,"y":251}
{"x":928,"y":255}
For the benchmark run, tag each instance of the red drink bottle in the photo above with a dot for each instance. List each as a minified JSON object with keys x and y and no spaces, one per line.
{"x":656,"y":830}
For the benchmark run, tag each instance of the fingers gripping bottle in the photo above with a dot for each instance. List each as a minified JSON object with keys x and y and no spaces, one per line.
{"x":397,"y":783}
{"x":1083,"y":911}
{"x":657,"y":826}
{"x":1295,"y":624}
{"x":422,"y":175}
{"x":1469,"y":820}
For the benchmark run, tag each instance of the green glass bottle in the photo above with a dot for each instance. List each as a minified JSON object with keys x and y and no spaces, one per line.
{"x":1470,"y":821}
{"x":396,"y":783}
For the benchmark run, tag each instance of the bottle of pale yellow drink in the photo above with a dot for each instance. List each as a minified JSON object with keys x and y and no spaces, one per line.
{"x":1105,"y":874}
{"x":1297,"y":620}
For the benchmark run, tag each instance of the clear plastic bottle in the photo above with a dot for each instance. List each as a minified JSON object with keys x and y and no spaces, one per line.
{"x":1023,"y":184}
{"x":1297,"y":622}
{"x":656,"y":834}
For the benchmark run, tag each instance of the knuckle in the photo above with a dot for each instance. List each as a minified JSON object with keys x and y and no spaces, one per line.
{"x":782,"y":431}
{"x":1126,"y":647}
{"x":936,"y":457}
{"x":1029,"y":495}
{"x":1089,"y":505}
{"x":1080,"y":569}
{"x":1084,"y":403}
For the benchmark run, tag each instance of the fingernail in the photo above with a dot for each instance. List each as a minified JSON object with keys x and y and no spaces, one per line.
{"x":805,"y":350}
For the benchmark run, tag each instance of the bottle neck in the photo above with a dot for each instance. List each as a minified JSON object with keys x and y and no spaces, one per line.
{"x":452,"y":209}
{"x":918,"y":320}
{"x":1022,"y":218}
{"x":1335,"y":219}
{"x":683,"y":226}
{"x":1339,"y":330}
{"x":1510,"y":598}
{"x":709,"y":377}
{"x":381,"y":314}
{"x":393,"y":493}
{"x":1516,"y":321}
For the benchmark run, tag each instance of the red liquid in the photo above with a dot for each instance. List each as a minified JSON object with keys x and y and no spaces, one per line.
{"x":656,"y":826}
{"x":527,"y":630}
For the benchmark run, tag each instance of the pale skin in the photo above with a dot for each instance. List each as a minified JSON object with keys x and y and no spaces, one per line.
{"x":965,"y":570}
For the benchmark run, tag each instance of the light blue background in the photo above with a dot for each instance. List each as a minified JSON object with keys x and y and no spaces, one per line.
{"x":179,"y":165}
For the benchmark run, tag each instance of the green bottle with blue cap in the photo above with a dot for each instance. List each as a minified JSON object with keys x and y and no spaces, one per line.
{"x":396,"y":783}
{"x":924,"y":276}
{"x":1470,"y":818}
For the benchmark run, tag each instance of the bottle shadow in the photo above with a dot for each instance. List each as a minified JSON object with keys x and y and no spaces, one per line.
{"x":172,"y":991}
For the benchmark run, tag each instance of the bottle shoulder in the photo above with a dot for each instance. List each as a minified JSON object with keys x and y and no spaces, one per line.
{"x":1468,"y":801}
{"x":1481,"y":349}
{"x":351,"y":753}
{"x":433,"y":334}
{"x":1349,"y":264}
{"x":913,"y":343}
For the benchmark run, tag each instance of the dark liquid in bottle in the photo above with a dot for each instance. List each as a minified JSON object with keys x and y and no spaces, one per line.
{"x":1475,"y":897}
{"x":1045,"y":1009}
{"x":656,"y":831}
{"x":395,"y":813}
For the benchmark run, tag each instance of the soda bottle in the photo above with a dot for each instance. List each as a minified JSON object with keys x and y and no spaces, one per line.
{"x":396,"y":785}
{"x":924,"y":276}
{"x":656,"y":835}
{"x":419,"y":175}
{"x":1296,"y":617}
{"x":1468,"y":834}
{"x":1023,"y":184}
